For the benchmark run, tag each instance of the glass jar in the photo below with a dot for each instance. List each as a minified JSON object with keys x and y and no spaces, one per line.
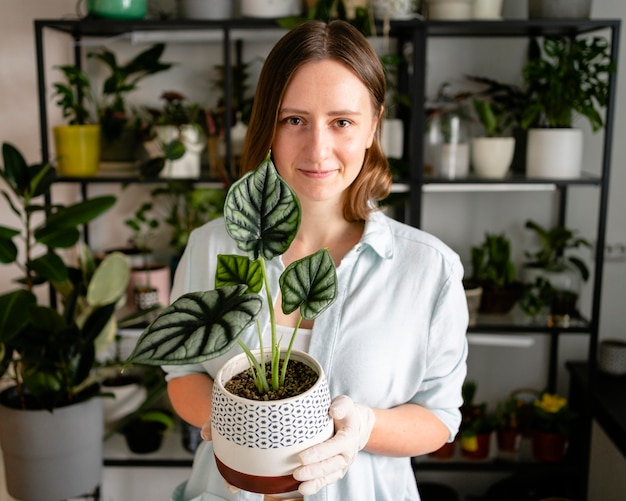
{"x":447,"y":138}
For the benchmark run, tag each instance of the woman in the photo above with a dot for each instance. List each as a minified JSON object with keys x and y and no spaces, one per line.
{"x":393,"y":344}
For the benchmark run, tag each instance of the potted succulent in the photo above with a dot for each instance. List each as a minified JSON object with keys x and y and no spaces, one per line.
{"x":121,"y":126}
{"x":551,"y":422}
{"x":564,"y":76}
{"x":494,"y":271}
{"x":553,"y":277}
{"x":48,"y":352}
{"x":77,"y":144}
{"x":262,"y":215}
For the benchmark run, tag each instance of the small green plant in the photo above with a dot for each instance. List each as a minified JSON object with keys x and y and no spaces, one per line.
{"x":327,"y":10}
{"x":567,"y":75}
{"x":123,"y":79}
{"x":494,"y":117}
{"x":554,"y":242}
{"x":73,"y":94}
{"x":187,"y":207}
{"x":551,"y":414}
{"x":491,"y":261}
{"x":262,"y":215}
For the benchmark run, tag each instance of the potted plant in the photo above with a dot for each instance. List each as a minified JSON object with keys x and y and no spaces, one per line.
{"x":262,"y":215}
{"x":494,"y":270}
{"x":178,"y":135}
{"x":551,"y":422}
{"x":477,"y":425}
{"x":492,"y":153}
{"x":77,"y":144}
{"x":150,"y":283}
{"x":552,"y":276}
{"x":564,"y":76}
{"x":514,"y":417}
{"x":121,"y":126}
{"x":48,"y":351}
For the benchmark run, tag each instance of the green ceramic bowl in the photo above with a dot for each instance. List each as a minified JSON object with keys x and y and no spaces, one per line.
{"x":117,"y":9}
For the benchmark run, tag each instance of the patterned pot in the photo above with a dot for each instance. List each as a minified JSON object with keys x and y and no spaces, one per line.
{"x":256,"y":443}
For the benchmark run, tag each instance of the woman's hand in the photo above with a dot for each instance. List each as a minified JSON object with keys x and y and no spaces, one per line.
{"x":329,"y":461}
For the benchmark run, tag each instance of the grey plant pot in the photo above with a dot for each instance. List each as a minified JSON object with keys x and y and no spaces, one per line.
{"x":52,"y":455}
{"x":559,"y":9}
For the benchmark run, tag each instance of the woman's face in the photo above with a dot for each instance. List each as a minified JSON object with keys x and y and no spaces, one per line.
{"x":325,"y":123}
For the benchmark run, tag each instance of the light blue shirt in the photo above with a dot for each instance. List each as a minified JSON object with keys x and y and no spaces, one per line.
{"x":395,"y":334}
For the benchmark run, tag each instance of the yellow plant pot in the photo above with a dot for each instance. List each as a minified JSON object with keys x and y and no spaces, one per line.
{"x":77,"y":149}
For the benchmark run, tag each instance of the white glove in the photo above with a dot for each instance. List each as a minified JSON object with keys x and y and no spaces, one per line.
{"x":329,"y":461}
{"x":205,"y":431}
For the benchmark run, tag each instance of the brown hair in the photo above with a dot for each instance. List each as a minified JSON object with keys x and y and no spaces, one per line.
{"x":315,"y":41}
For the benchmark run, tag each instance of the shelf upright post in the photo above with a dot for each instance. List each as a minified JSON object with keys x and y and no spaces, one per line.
{"x":228,"y":79}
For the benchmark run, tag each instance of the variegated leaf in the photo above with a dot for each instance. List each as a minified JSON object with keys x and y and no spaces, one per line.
{"x":309,"y":284}
{"x":234,"y":270}
{"x":262,"y":213}
{"x":197,"y":327}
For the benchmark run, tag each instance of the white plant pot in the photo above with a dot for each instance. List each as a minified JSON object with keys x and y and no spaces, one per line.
{"x":256,"y":443}
{"x":270,"y":8}
{"x":492,"y":156}
{"x":126,"y":399}
{"x":394,"y":9}
{"x":554,"y":153}
{"x":453,"y":160}
{"x":52,"y":455}
{"x":559,"y":9}
{"x":206,"y":9}
{"x":449,"y":9}
{"x":487,"y":9}
{"x":393,"y":137}
{"x":188,"y":166}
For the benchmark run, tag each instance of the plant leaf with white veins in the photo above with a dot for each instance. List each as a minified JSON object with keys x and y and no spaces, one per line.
{"x":197,"y":327}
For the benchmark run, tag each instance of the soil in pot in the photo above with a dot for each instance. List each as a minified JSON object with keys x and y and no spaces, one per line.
{"x":300,"y":377}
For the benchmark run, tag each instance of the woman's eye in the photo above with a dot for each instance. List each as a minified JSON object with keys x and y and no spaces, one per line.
{"x":343,"y":123}
{"x":293,"y":121}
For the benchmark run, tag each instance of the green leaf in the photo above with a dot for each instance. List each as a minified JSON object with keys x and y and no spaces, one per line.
{"x":81,"y":213}
{"x":50,"y":266}
{"x":13,"y":312}
{"x":262,"y":213}
{"x":56,"y":237}
{"x":174,"y":149}
{"x":15,"y":171}
{"x":109,"y":281}
{"x":8,"y":250}
{"x":309,"y":284}
{"x":197,"y":327}
{"x":235,"y":270}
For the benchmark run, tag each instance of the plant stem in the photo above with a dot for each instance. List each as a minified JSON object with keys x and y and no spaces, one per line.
{"x":283,"y":374}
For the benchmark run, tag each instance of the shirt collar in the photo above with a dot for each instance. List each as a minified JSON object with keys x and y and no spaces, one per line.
{"x":378,"y":235}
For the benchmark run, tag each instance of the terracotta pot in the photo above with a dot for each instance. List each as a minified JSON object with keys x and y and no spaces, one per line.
{"x":508,"y":440}
{"x":256,"y":443}
{"x":476,"y":447}
{"x":548,"y":447}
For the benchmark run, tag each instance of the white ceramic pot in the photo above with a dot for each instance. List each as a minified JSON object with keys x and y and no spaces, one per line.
{"x":453,"y":160}
{"x":554,"y":153}
{"x":612,"y":357}
{"x":256,"y":443}
{"x":188,"y":166}
{"x":206,"y":9}
{"x":157,"y":277}
{"x":270,"y":8}
{"x":487,"y":9}
{"x":52,"y":455}
{"x":449,"y":9}
{"x":492,"y":156}
{"x":394,"y":9}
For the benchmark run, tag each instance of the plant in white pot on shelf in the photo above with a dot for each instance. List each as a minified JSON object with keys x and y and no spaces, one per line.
{"x":51,"y":427}
{"x":492,"y":154}
{"x":262,"y":215}
{"x":564,"y":77}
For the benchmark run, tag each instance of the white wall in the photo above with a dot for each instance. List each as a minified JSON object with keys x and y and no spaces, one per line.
{"x":459,"y":219}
